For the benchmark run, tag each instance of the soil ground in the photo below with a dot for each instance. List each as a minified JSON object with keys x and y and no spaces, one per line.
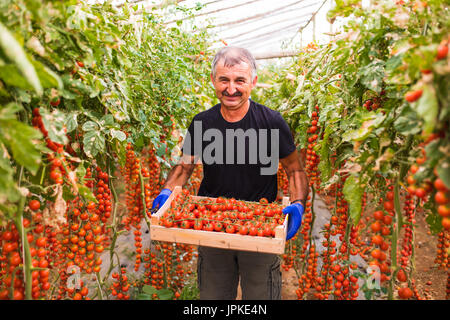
{"x":431,"y":282}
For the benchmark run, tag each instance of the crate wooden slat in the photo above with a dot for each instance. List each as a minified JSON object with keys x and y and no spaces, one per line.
{"x":217,"y":239}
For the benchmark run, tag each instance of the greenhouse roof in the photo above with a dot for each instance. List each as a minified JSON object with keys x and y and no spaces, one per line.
{"x":266,"y":27}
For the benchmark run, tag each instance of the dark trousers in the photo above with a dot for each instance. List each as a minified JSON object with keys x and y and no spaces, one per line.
{"x":218,"y":272}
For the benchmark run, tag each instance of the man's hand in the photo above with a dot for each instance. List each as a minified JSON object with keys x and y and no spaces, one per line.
{"x":178,"y":176}
{"x":161,"y":198}
{"x":295,"y":212}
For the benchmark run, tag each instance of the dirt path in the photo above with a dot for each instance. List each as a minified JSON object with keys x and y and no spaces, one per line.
{"x":431,"y":282}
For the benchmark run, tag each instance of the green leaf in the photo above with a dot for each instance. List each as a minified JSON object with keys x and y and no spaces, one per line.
{"x":161,"y":150}
{"x":23,"y":95}
{"x":370,"y":123}
{"x":372,"y":75}
{"x":434,"y":222}
{"x":9,"y":111}
{"x":15,"y":53}
{"x":47,"y":77}
{"x":94,"y":142}
{"x":11,"y":75}
{"x":7,"y":184}
{"x":393,"y":63}
{"x":139,"y":142}
{"x":107,"y":120}
{"x":443,"y":170}
{"x":54,"y":123}
{"x":433,"y":152}
{"x":81,"y":172}
{"x":74,"y":86}
{"x":86,"y":193}
{"x":353,"y":195}
{"x":324,"y":164}
{"x":427,"y":108}
{"x":119,"y":135}
{"x":165,"y":294}
{"x":68,"y":194}
{"x":20,"y":138}
{"x":150,"y":290}
{"x":407,"y":122}
{"x":90,"y":126}
{"x":71,"y":122}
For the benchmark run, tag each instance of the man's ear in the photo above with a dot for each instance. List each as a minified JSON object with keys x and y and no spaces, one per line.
{"x":212,"y":78}
{"x":254,"y":81}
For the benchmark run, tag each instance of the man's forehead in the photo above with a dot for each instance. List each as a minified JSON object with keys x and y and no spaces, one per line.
{"x":241,"y":67}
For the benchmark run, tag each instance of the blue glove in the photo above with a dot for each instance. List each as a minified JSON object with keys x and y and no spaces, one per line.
{"x":161,"y":198}
{"x":295,"y":212}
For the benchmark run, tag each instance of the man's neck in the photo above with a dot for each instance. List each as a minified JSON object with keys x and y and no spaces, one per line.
{"x":235,"y":115}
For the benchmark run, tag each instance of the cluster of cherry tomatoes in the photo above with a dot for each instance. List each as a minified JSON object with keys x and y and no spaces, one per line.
{"x":120,"y":285}
{"x":428,"y":187}
{"x":375,"y":103}
{"x":381,"y":229}
{"x":12,"y":285}
{"x":132,"y":174}
{"x":443,"y":246}
{"x":312,"y":158}
{"x":195,"y":179}
{"x":282,"y":182}
{"x":336,"y":270}
{"x":84,"y":237}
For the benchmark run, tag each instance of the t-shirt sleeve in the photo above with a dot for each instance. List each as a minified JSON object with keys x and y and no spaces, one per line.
{"x":287,"y":145}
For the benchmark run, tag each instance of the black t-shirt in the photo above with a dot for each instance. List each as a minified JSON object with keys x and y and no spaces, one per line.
{"x":237,"y":157}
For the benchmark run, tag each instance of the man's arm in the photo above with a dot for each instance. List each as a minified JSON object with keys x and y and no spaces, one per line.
{"x":298,"y":181}
{"x":180,"y":173}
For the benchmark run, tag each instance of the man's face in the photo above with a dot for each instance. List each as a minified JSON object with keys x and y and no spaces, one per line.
{"x":233,"y":84}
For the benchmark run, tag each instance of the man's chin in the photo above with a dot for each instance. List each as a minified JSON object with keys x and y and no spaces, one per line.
{"x":231,"y":103}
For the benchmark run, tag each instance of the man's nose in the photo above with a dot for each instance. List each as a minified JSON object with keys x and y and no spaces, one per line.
{"x":231,"y":88}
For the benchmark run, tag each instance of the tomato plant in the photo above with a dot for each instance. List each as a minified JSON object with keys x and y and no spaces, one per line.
{"x":83,"y":89}
{"x":370,"y":113}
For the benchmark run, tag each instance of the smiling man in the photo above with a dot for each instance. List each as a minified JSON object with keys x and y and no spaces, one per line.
{"x":240,"y":143}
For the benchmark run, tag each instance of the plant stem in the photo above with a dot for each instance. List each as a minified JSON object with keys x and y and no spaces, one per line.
{"x":43,"y":174}
{"x":313,"y":215}
{"x":396,"y":232}
{"x":18,"y":221}
{"x":115,"y":198}
{"x":113,"y":223}
{"x":141,"y":178}
{"x":398,"y":216}
{"x":97,"y":277}
{"x":11,"y":287}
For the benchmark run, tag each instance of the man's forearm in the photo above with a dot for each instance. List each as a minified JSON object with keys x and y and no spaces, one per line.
{"x":298,"y":185}
{"x":178,"y":176}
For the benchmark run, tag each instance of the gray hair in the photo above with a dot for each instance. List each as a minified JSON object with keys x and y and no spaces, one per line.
{"x":232,"y":56}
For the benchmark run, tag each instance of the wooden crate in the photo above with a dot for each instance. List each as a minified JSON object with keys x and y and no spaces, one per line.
{"x":217,"y":239}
